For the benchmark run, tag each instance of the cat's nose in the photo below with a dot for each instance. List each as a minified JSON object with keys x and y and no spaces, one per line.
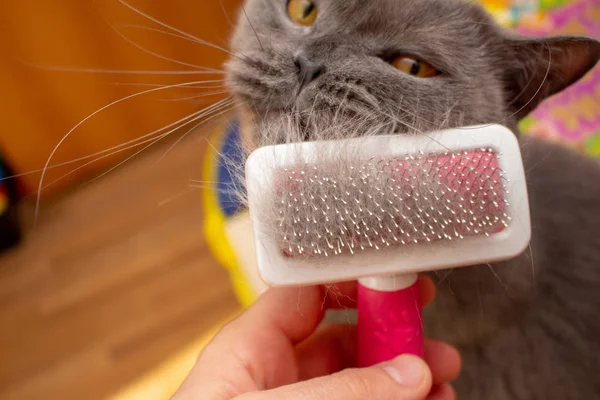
{"x":308,"y":70}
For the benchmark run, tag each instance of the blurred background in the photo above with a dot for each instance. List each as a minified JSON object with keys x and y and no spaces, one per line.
{"x":113,"y":290}
{"x":106,"y":114}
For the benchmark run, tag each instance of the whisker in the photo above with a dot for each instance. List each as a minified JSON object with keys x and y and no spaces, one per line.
{"x":146,"y":147}
{"x":234,"y":167}
{"x":161,"y":31}
{"x":65,"y":137}
{"x":112,"y":154}
{"x":160,"y":56}
{"x":153,"y":141}
{"x":123,"y":71}
{"x":341,"y":106}
{"x":191,"y":39}
{"x":417,"y":130}
{"x":177,"y":196}
{"x":198,"y":96}
{"x":252,"y":26}
{"x":220,"y":112}
{"x":172,"y":28}
{"x":225,"y":13}
{"x":76,"y":160}
{"x":200,"y":86}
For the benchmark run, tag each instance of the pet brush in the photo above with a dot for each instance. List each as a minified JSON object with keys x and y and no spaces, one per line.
{"x":381,"y":209}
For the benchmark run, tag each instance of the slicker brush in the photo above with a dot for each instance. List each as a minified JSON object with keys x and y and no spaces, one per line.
{"x":381,"y":209}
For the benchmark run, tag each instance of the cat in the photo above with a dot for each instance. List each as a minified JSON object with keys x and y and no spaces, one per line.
{"x":528,"y":328}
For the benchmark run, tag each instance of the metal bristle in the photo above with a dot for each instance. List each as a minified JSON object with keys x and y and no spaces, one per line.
{"x":382,"y":203}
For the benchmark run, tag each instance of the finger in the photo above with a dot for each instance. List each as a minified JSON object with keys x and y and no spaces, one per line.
{"x":443,"y":392}
{"x":331,"y":349}
{"x":427,"y":290}
{"x":257,"y":350}
{"x":406,"y":377}
{"x":294,"y":312}
{"x":443,"y":359}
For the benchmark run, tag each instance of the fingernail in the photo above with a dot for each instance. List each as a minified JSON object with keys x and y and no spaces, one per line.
{"x":406,"y":370}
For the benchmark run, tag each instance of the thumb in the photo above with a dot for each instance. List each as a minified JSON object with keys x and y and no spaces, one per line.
{"x":404,"y":378}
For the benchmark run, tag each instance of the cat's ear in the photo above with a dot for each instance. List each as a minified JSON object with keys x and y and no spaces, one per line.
{"x":539,"y":68}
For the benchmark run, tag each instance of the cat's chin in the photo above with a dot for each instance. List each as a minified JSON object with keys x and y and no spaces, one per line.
{"x":264,"y":127}
{"x":284,"y":125}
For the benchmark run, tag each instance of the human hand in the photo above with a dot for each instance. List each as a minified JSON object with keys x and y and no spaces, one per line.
{"x":276,"y":350}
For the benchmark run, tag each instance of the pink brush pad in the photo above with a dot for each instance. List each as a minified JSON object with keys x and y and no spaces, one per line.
{"x":457,"y":191}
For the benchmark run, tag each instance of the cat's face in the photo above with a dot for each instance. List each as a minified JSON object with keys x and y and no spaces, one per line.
{"x":354,"y":42}
{"x":319,"y":69}
{"x":322,"y":69}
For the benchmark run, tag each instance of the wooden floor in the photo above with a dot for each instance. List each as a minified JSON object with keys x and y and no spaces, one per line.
{"x":115,"y":279}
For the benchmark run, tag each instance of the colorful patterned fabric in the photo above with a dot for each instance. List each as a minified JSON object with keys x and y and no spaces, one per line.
{"x":521,"y":12}
{"x":571,"y":117}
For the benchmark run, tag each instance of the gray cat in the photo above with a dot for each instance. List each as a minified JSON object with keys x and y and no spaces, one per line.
{"x":310,"y":70}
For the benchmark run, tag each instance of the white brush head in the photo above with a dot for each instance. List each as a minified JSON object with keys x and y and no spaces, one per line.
{"x":341,"y":210}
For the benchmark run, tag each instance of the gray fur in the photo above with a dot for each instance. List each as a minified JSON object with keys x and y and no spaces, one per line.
{"x":529,"y":328}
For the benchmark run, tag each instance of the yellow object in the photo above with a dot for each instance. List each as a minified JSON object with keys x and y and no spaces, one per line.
{"x":214,"y":224}
{"x":500,"y":11}
{"x":497,"y":4}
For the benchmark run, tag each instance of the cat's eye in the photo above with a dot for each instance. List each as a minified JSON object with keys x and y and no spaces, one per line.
{"x":302,"y":12}
{"x":414,"y":66}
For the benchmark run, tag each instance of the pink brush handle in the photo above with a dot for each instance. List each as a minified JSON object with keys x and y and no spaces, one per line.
{"x":389,"y":323}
